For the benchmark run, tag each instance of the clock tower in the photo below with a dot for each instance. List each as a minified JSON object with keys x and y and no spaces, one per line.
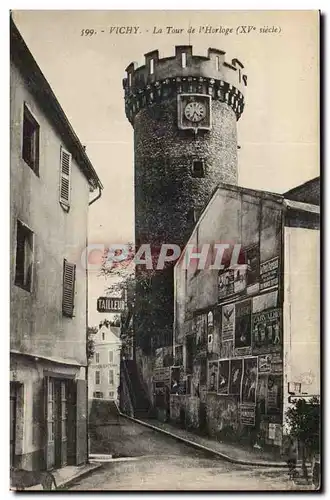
{"x":184,"y":111}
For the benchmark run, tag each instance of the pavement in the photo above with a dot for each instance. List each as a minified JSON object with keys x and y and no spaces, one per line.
{"x":227,"y":451}
{"x":136,"y":457}
{"x":65,"y":476}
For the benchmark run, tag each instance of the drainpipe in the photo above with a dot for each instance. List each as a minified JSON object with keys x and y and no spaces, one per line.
{"x":97,"y":197}
{"x":86,"y":372}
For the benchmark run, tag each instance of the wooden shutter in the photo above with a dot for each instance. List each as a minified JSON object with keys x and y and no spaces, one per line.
{"x":65,"y":184}
{"x":69,"y":277}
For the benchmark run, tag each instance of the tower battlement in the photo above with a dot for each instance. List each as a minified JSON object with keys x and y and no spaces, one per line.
{"x":160,"y":79}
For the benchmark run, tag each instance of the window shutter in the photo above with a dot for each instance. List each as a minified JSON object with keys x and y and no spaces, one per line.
{"x":69,"y":277}
{"x":65,"y":177}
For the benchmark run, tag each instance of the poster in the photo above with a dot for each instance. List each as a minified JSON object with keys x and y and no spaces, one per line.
{"x":249,"y":380}
{"x":271,"y":431}
{"x":228,"y":322}
{"x":269,"y":273}
{"x":248,"y":415}
{"x":201,"y":332}
{"x":266,"y":331}
{"x":264,"y":363}
{"x":243,"y":324}
{"x":226,"y":284}
{"x":236,"y":371}
{"x":274,"y":394}
{"x":240,"y":279}
{"x":262,"y":392}
{"x":212,"y":384}
{"x":223,"y":377}
{"x":253,"y":264}
{"x":162,"y":375}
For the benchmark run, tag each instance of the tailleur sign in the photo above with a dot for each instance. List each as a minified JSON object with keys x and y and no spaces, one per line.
{"x":110,"y":304}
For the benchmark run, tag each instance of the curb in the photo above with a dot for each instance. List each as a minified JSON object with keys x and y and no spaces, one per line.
{"x":77,"y":476}
{"x":201,"y":447}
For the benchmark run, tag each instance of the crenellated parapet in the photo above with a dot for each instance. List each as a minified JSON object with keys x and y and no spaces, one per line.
{"x":161,"y":79}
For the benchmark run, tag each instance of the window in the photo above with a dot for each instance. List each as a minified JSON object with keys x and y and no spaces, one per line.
{"x":184,"y":59}
{"x":217,"y":60}
{"x":151,"y":66}
{"x":197,"y":169}
{"x":110,"y":356}
{"x":97,"y":377}
{"x":69,"y":278}
{"x":24,"y":256}
{"x":102,"y":335}
{"x":210,"y":320}
{"x":111,"y":394}
{"x":65,"y":180}
{"x":30,"y":151}
{"x":111,"y":378}
{"x":98,"y":395}
{"x":97,"y":357}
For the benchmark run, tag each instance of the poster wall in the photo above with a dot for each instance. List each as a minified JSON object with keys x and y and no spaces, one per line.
{"x":228,"y":322}
{"x":266,"y":331}
{"x":236,"y":371}
{"x":248,"y":415}
{"x":243,"y":324}
{"x":249,"y":380}
{"x":212,"y":380}
{"x":223,"y":376}
{"x":269,"y":273}
{"x":226,"y":284}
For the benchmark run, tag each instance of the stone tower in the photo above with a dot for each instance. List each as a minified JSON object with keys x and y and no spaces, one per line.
{"x":183,"y":110}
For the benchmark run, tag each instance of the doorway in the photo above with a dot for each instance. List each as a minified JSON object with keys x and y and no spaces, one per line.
{"x":57,"y":422}
{"x":13,"y":420}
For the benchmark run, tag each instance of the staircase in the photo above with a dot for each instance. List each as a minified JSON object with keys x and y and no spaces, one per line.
{"x":139,"y":398}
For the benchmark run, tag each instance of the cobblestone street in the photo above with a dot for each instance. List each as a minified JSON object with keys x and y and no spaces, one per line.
{"x":153,"y":461}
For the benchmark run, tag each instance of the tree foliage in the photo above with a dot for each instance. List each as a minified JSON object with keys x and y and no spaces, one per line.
{"x":304,"y":422}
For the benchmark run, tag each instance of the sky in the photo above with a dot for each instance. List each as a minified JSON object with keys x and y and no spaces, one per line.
{"x":278,"y":132}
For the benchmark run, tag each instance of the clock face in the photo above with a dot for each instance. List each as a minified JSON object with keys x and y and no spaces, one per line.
{"x":195,"y":111}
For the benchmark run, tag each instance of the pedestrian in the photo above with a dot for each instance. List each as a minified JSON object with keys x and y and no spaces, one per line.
{"x":292,"y":459}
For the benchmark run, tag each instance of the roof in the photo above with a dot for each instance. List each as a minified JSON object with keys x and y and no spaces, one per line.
{"x":286,"y":204}
{"x":38,"y":85}
{"x":308,"y":192}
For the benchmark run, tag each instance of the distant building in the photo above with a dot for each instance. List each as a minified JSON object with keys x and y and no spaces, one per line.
{"x":50,"y":191}
{"x":248,"y":337}
{"x":104,"y":369}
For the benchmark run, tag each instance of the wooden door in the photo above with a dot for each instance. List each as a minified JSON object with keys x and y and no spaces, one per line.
{"x":13,"y":414}
{"x":50,"y":421}
{"x":63,"y":422}
{"x":81,"y":426}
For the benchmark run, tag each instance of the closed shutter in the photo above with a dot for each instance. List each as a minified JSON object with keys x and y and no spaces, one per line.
{"x":69,"y":276}
{"x":65,"y":177}
{"x":81,"y":416}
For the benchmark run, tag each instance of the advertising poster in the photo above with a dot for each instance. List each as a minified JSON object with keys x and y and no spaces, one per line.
{"x":240,"y":279}
{"x":253,"y":265}
{"x":262,"y":392}
{"x":265,"y":362}
{"x":243,"y":324}
{"x":269,"y":273}
{"x":223,"y":377}
{"x":228,"y":322}
{"x":274,"y":394}
{"x":248,"y":415}
{"x":266,"y":331}
{"x":226,"y":284}
{"x":249,"y":380}
{"x":236,"y":371}
{"x":212,"y":381}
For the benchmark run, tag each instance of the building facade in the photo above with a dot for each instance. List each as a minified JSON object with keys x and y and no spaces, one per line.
{"x":247,"y":337}
{"x":104,"y":369}
{"x":184,"y":110}
{"x":51,"y":184}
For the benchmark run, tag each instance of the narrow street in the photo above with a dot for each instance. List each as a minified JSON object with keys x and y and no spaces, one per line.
{"x":152,"y":461}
